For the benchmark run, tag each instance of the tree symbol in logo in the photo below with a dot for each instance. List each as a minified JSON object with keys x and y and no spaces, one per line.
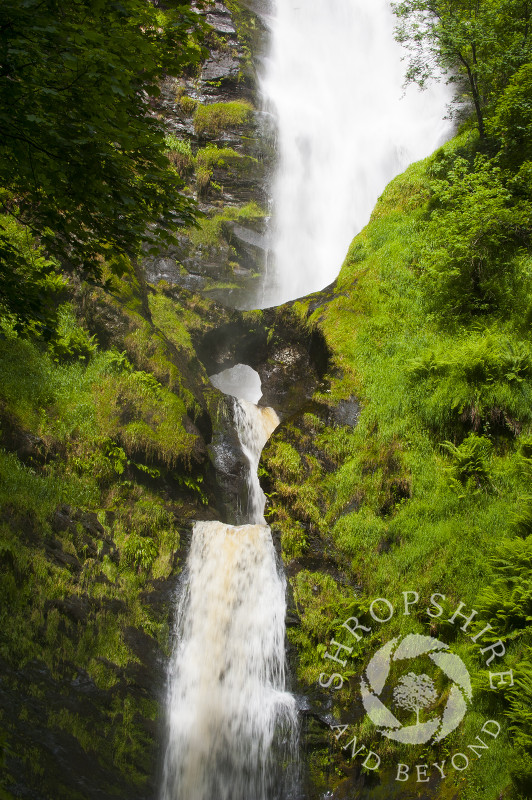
{"x":414,"y":692}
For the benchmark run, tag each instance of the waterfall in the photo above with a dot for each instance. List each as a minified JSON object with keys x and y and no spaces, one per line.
{"x":227,"y":701}
{"x":333,"y":81}
{"x":230,"y":720}
{"x":345,"y":127}
{"x":254,"y":427}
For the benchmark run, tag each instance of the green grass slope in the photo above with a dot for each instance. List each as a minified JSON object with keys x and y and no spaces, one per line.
{"x":430,"y":490}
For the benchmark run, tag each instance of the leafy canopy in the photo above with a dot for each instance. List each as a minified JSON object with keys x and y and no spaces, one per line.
{"x":81,"y":151}
{"x":478,"y":44}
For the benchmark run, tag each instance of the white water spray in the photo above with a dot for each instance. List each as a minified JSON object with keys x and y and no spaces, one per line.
{"x":334,"y":81}
{"x":227,"y":700}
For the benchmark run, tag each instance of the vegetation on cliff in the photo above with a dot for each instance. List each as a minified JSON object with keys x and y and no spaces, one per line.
{"x":428,"y":326}
{"x":102,"y":462}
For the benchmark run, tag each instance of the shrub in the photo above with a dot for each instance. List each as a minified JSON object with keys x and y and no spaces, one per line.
{"x":471,"y":239}
{"x":140,"y":551}
{"x":71,"y":341}
{"x":188,"y":104}
{"x":470,"y":459}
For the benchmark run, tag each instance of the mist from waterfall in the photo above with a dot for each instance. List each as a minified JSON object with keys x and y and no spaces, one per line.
{"x":345,"y":127}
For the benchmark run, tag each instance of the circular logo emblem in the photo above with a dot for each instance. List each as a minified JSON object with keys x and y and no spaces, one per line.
{"x":415,"y":691}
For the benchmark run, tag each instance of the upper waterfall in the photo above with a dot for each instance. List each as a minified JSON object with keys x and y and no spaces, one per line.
{"x":345,"y":127}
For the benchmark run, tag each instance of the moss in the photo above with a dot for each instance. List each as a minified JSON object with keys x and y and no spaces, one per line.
{"x":209,"y":232}
{"x":212,"y":120}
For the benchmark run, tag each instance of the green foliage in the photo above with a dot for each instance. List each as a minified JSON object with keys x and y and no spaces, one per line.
{"x":285,"y":461}
{"x":187,"y":104}
{"x":78,"y":147}
{"x":29,"y":282}
{"x":477,"y":380}
{"x":478,"y":45}
{"x":179,"y":154}
{"x":213,"y":156}
{"x":193,"y":484}
{"x":115,"y":455}
{"x":511,"y":121}
{"x":507,"y":601}
{"x":475,"y":231}
{"x":71,"y":340}
{"x":471,"y":460}
{"x":211,"y":120}
{"x":141,"y":551}
{"x":520,"y":717}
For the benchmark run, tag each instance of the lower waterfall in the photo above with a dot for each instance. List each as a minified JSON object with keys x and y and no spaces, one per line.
{"x":230,"y":719}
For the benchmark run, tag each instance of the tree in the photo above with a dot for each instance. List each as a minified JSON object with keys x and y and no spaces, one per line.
{"x":414,"y":692}
{"x":475,"y":231}
{"x":511,"y":121}
{"x":478,"y":44}
{"x":82,"y":156}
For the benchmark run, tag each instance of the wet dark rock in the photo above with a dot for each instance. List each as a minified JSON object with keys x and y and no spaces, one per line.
{"x":44,"y":760}
{"x":29,"y":448}
{"x":222,"y":67}
{"x":84,"y":528}
{"x":56,"y":554}
{"x":230,"y":465}
{"x":107,"y":322}
{"x":344,"y":413}
{"x":77,"y":607}
{"x":220,"y":19}
{"x":146,"y":649}
{"x":113,"y":604}
{"x":239,"y":341}
{"x":160,"y":595}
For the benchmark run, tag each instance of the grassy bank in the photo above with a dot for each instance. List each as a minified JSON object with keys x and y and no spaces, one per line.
{"x":429,"y":492}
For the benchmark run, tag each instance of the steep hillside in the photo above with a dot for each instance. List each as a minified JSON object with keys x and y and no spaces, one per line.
{"x":410,"y":471}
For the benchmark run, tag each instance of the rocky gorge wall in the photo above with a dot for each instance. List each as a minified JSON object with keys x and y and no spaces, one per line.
{"x":222,"y":144}
{"x":114,"y":442}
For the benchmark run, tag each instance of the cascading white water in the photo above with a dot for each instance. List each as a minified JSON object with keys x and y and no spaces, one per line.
{"x":345,"y":127}
{"x":228,"y":708}
{"x":254,"y":427}
{"x":227,"y":701}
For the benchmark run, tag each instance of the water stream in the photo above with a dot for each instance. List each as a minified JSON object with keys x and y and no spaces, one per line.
{"x":230,"y":719}
{"x":333,"y":82}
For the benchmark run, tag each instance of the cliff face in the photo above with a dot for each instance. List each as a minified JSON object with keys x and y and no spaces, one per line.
{"x":222,"y":145}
